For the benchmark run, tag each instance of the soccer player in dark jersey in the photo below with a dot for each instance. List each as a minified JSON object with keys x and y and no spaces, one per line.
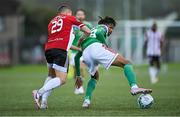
{"x":60,"y":38}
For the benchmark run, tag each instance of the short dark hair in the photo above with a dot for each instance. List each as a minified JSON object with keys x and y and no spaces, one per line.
{"x":64,"y":7}
{"x":80,"y":9}
{"x":107,"y":20}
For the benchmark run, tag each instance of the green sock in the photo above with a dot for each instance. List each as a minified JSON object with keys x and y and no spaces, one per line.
{"x":90,"y":88}
{"x":130,"y":75}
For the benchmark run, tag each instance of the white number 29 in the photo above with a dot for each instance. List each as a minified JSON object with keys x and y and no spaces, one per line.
{"x":57,"y":26}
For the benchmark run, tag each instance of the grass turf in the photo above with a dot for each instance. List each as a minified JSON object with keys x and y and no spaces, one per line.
{"x":111,"y":96}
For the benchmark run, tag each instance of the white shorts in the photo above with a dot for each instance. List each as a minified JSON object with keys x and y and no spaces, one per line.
{"x":72,"y":59}
{"x":96,"y":54}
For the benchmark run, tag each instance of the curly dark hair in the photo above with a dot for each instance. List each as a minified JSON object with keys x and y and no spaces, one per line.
{"x":107,"y":20}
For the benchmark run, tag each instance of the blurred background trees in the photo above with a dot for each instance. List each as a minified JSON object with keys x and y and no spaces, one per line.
{"x":37,"y":13}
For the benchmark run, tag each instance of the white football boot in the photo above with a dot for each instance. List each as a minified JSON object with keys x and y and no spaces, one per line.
{"x":79,"y":91}
{"x":135,"y":91}
{"x":36,"y":99}
{"x":86,"y":103}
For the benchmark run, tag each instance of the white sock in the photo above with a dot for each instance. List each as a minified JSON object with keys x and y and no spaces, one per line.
{"x":152,"y":73}
{"x":51,"y":84}
{"x":134,"y":86}
{"x":48,"y":93}
{"x":47,"y":79}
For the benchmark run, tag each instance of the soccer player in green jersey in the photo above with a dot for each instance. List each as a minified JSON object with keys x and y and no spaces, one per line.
{"x":80,"y":15}
{"x":96,"y":51}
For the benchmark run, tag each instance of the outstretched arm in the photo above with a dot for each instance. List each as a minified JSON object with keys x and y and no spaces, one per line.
{"x":75,"y":48}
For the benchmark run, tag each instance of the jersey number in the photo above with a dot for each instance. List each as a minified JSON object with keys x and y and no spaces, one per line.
{"x":93,"y":33}
{"x":57,"y":26}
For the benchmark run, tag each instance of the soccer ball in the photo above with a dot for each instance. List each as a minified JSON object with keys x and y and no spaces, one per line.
{"x":145,"y":101}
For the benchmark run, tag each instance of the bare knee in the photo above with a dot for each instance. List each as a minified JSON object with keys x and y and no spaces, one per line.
{"x":63,"y":81}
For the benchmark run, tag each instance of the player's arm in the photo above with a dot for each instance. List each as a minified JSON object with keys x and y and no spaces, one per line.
{"x":87,"y":32}
{"x":82,"y":26}
{"x":77,"y":67}
{"x":75,"y":48}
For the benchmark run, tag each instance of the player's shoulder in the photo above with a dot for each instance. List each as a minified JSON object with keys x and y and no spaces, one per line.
{"x":71,"y":17}
{"x":102,"y":28}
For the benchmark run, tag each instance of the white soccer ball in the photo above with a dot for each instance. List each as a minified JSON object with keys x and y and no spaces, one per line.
{"x":145,"y":101}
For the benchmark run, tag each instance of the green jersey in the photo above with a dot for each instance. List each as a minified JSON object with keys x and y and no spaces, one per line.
{"x":98,"y":34}
{"x":79,"y":33}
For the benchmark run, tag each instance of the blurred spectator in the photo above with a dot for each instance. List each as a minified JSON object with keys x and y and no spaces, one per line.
{"x":153,"y":43}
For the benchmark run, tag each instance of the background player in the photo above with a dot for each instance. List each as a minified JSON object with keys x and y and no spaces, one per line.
{"x":96,"y":51}
{"x":153,"y":45}
{"x":60,"y":37}
{"x":80,"y":15}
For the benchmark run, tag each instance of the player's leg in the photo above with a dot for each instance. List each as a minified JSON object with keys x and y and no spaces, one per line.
{"x":44,"y":99}
{"x":58,"y":59}
{"x":157,"y":66}
{"x":51,"y":84}
{"x":82,"y":67}
{"x":59,"y":80}
{"x":92,"y":66}
{"x":120,"y":61}
{"x":152,"y":69}
{"x":83,"y":71}
{"x":72,"y":63}
{"x":90,"y":88}
{"x":107,"y":57}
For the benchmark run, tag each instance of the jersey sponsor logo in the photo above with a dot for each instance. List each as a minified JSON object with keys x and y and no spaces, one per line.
{"x":57,"y":39}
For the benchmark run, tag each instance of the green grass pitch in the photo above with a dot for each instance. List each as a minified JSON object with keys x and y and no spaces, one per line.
{"x":111,"y":96}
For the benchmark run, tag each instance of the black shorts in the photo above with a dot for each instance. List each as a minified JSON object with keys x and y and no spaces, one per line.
{"x":57,"y":59}
{"x":154,"y":61}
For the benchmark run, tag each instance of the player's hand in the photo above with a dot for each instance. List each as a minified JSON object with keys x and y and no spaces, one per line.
{"x":79,"y":81}
{"x":80,"y":49}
